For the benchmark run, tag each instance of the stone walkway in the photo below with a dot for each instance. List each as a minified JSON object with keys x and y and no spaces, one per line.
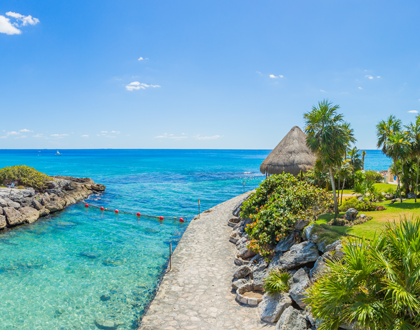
{"x":196,"y":293}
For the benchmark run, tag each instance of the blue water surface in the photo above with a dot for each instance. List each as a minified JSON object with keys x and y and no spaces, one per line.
{"x":81,"y":267}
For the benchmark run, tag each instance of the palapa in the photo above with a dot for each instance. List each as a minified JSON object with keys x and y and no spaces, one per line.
{"x":290,"y":156}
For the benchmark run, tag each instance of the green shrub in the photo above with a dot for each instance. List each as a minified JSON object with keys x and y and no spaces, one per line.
{"x":374,"y":176}
{"x":375,"y":286}
{"x":356,"y":204}
{"x":24,"y":176}
{"x":277,"y":205}
{"x":276,"y":281}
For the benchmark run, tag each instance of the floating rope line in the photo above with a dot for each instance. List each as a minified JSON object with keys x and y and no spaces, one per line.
{"x":138,"y":214}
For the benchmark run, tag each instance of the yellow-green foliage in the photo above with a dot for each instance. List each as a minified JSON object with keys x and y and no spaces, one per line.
{"x":23,"y":175}
{"x":276,"y":281}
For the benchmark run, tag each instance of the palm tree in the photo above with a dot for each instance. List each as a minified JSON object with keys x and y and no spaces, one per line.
{"x":363,"y":159}
{"x":397,"y":148}
{"x":414,"y":134}
{"x":384,"y":129}
{"x":328,"y":137}
{"x":355,"y":160}
{"x":376,"y":284}
{"x":346,"y":171}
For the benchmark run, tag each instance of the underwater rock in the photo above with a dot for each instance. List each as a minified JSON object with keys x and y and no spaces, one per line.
{"x":113,"y":262}
{"x":88,"y":254}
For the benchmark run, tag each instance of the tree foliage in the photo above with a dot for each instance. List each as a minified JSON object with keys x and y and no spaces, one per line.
{"x":23,"y":175}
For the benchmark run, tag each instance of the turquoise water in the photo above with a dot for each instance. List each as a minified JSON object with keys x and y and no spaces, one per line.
{"x":80,"y":267}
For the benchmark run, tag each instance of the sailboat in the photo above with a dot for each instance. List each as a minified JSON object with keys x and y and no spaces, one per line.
{"x":58,"y":153}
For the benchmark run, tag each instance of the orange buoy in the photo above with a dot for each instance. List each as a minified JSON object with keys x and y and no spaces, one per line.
{"x":102,"y":208}
{"x":138,"y":214}
{"x":161,"y":218}
{"x":86,"y":205}
{"x":116,"y":211}
{"x":181,"y":220}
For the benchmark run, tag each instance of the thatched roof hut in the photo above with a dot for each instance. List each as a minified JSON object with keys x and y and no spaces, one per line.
{"x":290,"y":156}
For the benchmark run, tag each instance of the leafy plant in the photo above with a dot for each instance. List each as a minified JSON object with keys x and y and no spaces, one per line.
{"x":376,"y":285}
{"x":356,"y":204}
{"x":374,"y":176}
{"x":24,"y":176}
{"x":277,"y":281}
{"x":277,"y":206}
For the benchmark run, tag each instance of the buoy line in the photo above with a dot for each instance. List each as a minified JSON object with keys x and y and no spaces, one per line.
{"x":138,"y":214}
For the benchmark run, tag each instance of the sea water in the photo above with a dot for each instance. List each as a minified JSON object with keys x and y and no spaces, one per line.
{"x":81,"y":267}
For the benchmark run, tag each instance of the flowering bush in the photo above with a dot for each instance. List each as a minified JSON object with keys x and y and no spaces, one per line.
{"x":277,"y":205}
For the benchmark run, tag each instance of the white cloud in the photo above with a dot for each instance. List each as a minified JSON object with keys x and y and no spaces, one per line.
{"x":59,"y":136}
{"x":38,"y":135}
{"x":369,"y":76}
{"x":379,"y":77}
{"x":116,"y":132}
{"x":24,"y":19}
{"x":322,"y":91}
{"x":141,"y":58}
{"x":360,"y":88}
{"x":413,"y":111}
{"x":171,"y":136}
{"x":85,"y":136}
{"x":7,"y":27}
{"x":273,"y":76}
{"x":8,"y":134}
{"x":214,"y":137}
{"x":25,"y":130}
{"x":135,"y":85}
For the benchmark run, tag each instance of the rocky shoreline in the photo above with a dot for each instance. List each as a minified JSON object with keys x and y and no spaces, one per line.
{"x":23,"y":206}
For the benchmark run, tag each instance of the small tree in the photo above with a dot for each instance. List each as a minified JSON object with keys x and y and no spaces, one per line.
{"x":414,"y":135}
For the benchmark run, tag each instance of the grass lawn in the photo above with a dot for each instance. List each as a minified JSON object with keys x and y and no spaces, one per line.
{"x":368,"y":229}
{"x":382,"y":187}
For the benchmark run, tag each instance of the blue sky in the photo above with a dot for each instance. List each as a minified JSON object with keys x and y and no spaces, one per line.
{"x":213,"y":74}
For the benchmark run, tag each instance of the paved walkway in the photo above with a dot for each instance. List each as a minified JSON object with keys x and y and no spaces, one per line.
{"x":197,"y":294}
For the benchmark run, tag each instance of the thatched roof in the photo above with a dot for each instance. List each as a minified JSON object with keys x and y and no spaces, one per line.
{"x":290,"y":156}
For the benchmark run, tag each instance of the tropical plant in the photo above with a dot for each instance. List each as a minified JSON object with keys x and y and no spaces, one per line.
{"x":23,"y":175}
{"x":373,"y":176}
{"x":414,"y":135}
{"x":384,"y":129}
{"x":276,"y":281}
{"x":328,"y":136}
{"x":375,"y":286}
{"x":397,"y":148}
{"x":363,"y":159}
{"x":355,"y":160}
{"x":276,"y":211}
{"x":345,"y":172}
{"x":354,"y":203}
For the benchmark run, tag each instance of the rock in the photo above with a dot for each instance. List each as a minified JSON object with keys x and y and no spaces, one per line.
{"x":106,"y":324}
{"x":54,"y":206}
{"x":3,"y":222}
{"x":291,"y":319}
{"x":98,"y":187}
{"x":309,"y":317}
{"x":259,"y":271}
{"x":242,"y":242}
{"x":44,"y":212}
{"x":360,"y":199}
{"x":246,"y":253}
{"x":351,"y":214}
{"x":36,"y":204}
{"x":13,"y":216}
{"x":29,"y":214}
{"x":332,"y":246}
{"x":272,"y":306}
{"x":338,"y":251}
{"x":389,"y":196}
{"x":3,"y":203}
{"x":11,"y":203}
{"x":301,"y":224}
{"x":242,"y":272}
{"x":299,"y":283}
{"x":236,"y":283}
{"x":286,"y":243}
{"x":411,"y":196}
{"x":320,"y":266}
{"x":299,"y":255}
{"x":1,"y":210}
{"x":362,"y":216}
{"x":307,"y":232}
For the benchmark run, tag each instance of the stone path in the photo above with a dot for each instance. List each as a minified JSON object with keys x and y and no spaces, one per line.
{"x":196,"y":293}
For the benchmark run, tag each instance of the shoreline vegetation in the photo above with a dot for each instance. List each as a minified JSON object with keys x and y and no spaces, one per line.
{"x":27,"y":195}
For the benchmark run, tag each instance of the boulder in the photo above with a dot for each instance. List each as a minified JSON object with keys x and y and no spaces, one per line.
{"x":236,"y":283}
{"x":43,"y":212}
{"x":246,"y":253}
{"x":242,"y":272}
{"x":332,"y":246}
{"x":29,"y":214}
{"x":259,"y":271}
{"x":299,"y":283}
{"x":3,"y":222}
{"x":11,"y":203}
{"x":286,"y":243}
{"x":272,"y":306}
{"x":307,"y":232}
{"x":309,"y":317}
{"x":299,"y":255}
{"x":36,"y":204}
{"x":320,"y":266}
{"x":1,"y":210}
{"x":13,"y":216}
{"x":301,"y":224}
{"x":3,"y":203}
{"x":351,"y":214}
{"x":291,"y":319}
{"x":54,"y":206}
{"x":98,"y":187}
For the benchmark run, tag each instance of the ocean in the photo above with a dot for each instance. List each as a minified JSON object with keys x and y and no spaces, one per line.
{"x":80,"y":267}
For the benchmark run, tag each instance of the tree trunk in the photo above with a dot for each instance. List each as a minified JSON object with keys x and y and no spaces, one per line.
{"x":338,"y":186}
{"x":398,"y":180}
{"x":402,"y":175}
{"x":417,"y":180}
{"x":334,"y":195}
{"x":342,"y":190}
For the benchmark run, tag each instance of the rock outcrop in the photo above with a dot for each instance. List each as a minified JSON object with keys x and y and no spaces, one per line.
{"x":20,"y":206}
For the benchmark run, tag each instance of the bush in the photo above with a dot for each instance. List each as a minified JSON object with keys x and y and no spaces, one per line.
{"x":376,"y":284}
{"x":24,"y":176}
{"x":356,"y":204}
{"x":276,"y":281}
{"x":374,"y":176}
{"x":277,"y":205}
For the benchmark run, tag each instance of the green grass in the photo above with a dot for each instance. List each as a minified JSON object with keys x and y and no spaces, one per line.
{"x":368,"y":229}
{"x":382,"y":187}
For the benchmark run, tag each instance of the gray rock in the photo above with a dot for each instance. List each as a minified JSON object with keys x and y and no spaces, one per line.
{"x":299,"y":255}
{"x":362,"y":216}
{"x":106,"y":324}
{"x":351,"y":214}
{"x":291,"y":319}
{"x":53,"y":206}
{"x":272,"y":306}
{"x":320,"y":266}
{"x":299,"y":283}
{"x":258,"y":277}
{"x":236,"y":283}
{"x":246,"y":253}
{"x":286,"y":243}
{"x":3,"y":203}
{"x":360,"y":199}
{"x":36,"y":204}
{"x":241,"y":243}
{"x":331,"y":246}
{"x":13,"y":216}
{"x":389,"y":196}
{"x":308,"y":231}
{"x":242,"y":272}
{"x":1,"y":210}
{"x":3,"y":222}
{"x":411,"y":196}
{"x":29,"y":214}
{"x":11,"y":203}
{"x":309,"y":317}
{"x":302,"y":224}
